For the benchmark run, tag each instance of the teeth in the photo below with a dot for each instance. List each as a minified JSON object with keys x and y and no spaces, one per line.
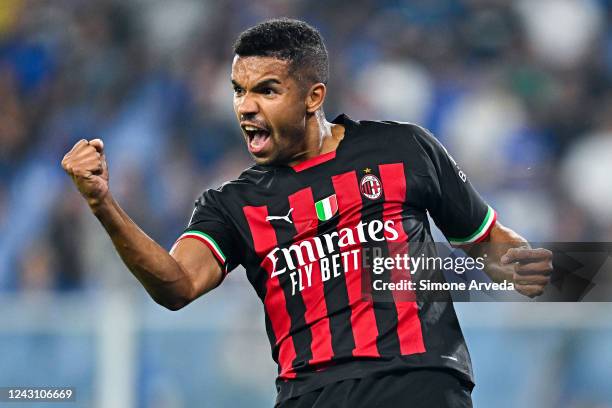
{"x":250,"y":128}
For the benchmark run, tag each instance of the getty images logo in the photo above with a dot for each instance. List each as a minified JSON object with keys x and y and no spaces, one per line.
{"x":321,"y":246}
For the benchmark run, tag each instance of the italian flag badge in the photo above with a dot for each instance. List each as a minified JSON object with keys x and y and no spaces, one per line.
{"x":327,"y":207}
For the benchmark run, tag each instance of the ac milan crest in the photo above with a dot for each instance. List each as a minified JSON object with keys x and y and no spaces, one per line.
{"x":370,"y":186}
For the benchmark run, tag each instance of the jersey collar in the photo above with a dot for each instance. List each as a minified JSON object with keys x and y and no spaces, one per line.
{"x":341,"y":119}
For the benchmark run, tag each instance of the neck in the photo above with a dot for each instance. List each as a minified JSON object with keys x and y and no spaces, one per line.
{"x":321,"y":137}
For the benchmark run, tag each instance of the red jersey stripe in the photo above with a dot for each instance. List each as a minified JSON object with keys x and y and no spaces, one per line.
{"x":306,"y":222}
{"x":408,"y":324}
{"x":264,"y":240}
{"x":363,"y":320}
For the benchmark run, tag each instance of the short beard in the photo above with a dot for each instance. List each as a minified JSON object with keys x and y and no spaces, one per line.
{"x":293,"y":148}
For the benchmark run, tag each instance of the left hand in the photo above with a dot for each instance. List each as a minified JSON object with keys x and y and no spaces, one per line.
{"x":532,"y":269}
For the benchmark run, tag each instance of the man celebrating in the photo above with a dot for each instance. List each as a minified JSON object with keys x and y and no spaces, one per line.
{"x":301,"y":220}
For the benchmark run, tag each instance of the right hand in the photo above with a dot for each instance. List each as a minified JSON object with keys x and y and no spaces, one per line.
{"x":86,"y":165}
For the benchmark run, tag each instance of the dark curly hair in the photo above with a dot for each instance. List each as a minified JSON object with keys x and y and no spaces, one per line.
{"x":290,"y":40}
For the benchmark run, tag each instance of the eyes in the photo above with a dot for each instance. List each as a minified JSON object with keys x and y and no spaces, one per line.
{"x":265,"y":91}
{"x":238,"y":91}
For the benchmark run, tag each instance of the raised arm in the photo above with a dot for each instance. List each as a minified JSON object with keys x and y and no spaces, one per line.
{"x":510,"y":258}
{"x":172,"y":279}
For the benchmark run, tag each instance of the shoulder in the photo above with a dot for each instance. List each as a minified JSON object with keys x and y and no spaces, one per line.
{"x":383,"y":130}
{"x":404,"y":135}
{"x":394,"y":129}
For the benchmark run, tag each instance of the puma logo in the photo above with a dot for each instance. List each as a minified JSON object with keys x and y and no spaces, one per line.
{"x":280,"y":217}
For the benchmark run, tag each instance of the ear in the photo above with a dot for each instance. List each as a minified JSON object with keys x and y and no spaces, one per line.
{"x":315,"y":97}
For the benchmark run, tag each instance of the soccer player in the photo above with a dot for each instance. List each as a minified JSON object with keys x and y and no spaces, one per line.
{"x":299,"y":221}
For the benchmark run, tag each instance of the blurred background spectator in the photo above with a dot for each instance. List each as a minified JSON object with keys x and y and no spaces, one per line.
{"x":519,"y":92}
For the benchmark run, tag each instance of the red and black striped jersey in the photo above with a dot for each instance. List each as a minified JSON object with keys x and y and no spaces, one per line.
{"x":304,"y":235}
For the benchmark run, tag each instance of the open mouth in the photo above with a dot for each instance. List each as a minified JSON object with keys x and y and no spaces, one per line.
{"x":258,"y":138}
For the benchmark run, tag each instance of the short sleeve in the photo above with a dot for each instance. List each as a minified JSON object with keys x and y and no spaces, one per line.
{"x":455,"y":206}
{"x":210,"y":226}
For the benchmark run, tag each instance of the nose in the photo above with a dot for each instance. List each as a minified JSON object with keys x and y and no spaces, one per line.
{"x":246,"y":105}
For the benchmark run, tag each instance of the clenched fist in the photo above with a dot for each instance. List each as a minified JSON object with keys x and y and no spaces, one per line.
{"x":86,"y":165}
{"x":532,"y":269}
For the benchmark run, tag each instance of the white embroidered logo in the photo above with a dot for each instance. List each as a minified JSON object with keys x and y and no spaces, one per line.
{"x":280,"y":217}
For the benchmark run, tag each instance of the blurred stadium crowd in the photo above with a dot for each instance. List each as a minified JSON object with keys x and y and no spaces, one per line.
{"x":519,"y":92}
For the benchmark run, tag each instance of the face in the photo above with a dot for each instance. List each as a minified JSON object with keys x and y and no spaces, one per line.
{"x":270,"y":107}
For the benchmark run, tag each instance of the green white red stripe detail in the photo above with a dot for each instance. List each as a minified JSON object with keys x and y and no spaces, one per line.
{"x":327,"y":208}
{"x":482,"y":231}
{"x":208,"y":241}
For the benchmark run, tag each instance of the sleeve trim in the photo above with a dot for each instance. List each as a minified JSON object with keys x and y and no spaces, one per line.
{"x":208,"y":241}
{"x":482,"y":231}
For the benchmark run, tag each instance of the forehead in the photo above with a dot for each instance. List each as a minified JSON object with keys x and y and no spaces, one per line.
{"x":254,"y":68}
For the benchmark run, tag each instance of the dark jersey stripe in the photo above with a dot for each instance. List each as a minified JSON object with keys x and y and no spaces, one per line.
{"x":290,"y":283}
{"x":264,"y":240}
{"x":335,"y":291}
{"x":363,"y":321}
{"x":409,"y":326}
{"x":306,"y":223}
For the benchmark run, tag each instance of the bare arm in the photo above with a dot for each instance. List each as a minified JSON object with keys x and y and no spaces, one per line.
{"x":172,"y":279}
{"x":511,"y":258}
